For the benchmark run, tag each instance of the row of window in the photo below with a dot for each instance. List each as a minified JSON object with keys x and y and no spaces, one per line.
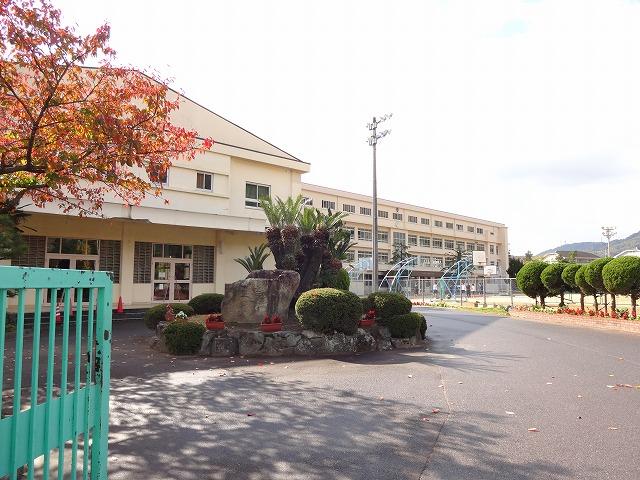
{"x":383,"y":257}
{"x":366,"y":235}
{"x":350,"y":208}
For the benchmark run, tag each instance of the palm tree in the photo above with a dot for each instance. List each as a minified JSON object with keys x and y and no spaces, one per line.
{"x":255,"y":259}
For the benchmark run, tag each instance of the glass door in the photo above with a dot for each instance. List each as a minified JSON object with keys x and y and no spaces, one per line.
{"x":171,"y":280}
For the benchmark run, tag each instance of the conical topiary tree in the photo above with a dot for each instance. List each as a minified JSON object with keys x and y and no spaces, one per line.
{"x":569,"y":278}
{"x":593,"y":276}
{"x":583,"y":285}
{"x":622,"y":276}
{"x":529,"y":282}
{"x":551,"y":278}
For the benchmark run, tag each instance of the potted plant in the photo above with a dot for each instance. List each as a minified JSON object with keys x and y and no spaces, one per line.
{"x":214,"y":322}
{"x":271,"y":324}
{"x":368,"y":318}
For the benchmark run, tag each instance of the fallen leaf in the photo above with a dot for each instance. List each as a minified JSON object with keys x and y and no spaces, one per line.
{"x":251,"y":414}
{"x":410,"y":376}
{"x":579,"y":396}
{"x":286,"y":366}
{"x":533,"y":429}
{"x":424,"y":419}
{"x":509,"y":413}
{"x":613,"y":428}
{"x":459,"y":383}
{"x":611,"y":386}
{"x":440,"y":386}
{"x":611,"y":374}
{"x":381,"y":398}
{"x":549,"y":383}
{"x":435,"y":410}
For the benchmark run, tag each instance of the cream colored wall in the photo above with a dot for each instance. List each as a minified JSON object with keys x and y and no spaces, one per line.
{"x":493,"y":233}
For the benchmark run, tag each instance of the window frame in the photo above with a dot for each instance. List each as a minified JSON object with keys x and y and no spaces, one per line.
{"x":204,"y":175}
{"x":249,"y":201}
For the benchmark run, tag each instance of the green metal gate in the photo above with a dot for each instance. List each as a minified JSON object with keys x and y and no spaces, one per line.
{"x":53,"y":412}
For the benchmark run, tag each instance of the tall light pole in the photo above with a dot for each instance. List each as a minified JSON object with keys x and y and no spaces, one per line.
{"x":373,"y":141}
{"x":608,"y":233}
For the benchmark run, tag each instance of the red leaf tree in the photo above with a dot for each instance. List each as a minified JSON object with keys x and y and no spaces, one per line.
{"x":73,"y":134}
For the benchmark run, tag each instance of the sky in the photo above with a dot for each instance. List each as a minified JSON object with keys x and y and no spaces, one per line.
{"x":521,"y":112}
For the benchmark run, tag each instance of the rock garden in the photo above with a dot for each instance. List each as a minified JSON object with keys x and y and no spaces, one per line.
{"x":302,"y":307}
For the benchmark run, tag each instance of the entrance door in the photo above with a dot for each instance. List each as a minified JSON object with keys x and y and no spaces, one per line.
{"x":171,"y":280}
{"x":71,"y":263}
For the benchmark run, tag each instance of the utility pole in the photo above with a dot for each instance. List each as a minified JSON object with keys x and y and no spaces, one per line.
{"x":608,"y":233}
{"x":373,"y":141}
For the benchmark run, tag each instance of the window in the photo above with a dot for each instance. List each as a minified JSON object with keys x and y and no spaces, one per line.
{"x":307,"y":201}
{"x":438,"y":223}
{"x":448,"y":244}
{"x":497,"y":250}
{"x":383,"y":237}
{"x":351,"y":256}
{"x":460,"y":246}
{"x":365,"y":234}
{"x":328,"y":204}
{"x":424,"y":261}
{"x":163,"y":178}
{"x":437,"y":262}
{"x":167,"y":250}
{"x":383,"y":214}
{"x":413,"y":240}
{"x":470,"y":229}
{"x":492,"y":262}
{"x":437,"y":243}
{"x":72,"y":246}
{"x":383,"y":257}
{"x":480,"y":231}
{"x":352,"y":232}
{"x":348,"y":208}
{"x":365,"y":211}
{"x":471,"y":247}
{"x":412,"y":219}
{"x":204,"y":181}
{"x":254,"y":192}
{"x":397,"y":216}
{"x":492,"y":249}
{"x":459,"y":227}
{"x":448,"y":262}
{"x":364,"y":254}
{"x":399,"y":237}
{"x":425,"y":242}
{"x":424,"y":221}
{"x":480,"y":247}
{"x":450,"y":225}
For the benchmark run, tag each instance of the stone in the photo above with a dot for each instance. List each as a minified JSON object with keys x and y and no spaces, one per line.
{"x":263,"y":292}
{"x":250,"y":343}
{"x":218,"y":343}
{"x":384,"y":345}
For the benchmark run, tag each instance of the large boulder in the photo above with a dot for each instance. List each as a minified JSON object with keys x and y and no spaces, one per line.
{"x":263,"y":292}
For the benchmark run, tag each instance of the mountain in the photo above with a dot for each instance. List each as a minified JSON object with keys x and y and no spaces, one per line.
{"x":600,"y":248}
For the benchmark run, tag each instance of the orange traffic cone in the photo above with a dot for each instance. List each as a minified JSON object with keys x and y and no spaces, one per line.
{"x":120,"y":308}
{"x":58,"y":314}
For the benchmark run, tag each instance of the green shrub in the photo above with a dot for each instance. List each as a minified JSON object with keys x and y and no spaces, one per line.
{"x":582,"y":283}
{"x":389,"y":305}
{"x":529,"y":282}
{"x":207,"y":303}
{"x":156,"y":314}
{"x":342,"y":280}
{"x":593,"y":274}
{"x":367,"y":303}
{"x":183,"y":338}
{"x":407,"y":325}
{"x":326,"y":310}
{"x":621,"y":276}
{"x":569,"y":276}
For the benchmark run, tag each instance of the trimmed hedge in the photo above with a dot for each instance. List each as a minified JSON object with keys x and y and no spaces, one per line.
{"x":407,"y":325}
{"x":388,"y":305}
{"x":342,"y":280}
{"x":207,"y":303}
{"x":156,"y":314}
{"x":326,"y":310}
{"x":529,"y":282}
{"x":183,"y":338}
{"x":367,"y":304}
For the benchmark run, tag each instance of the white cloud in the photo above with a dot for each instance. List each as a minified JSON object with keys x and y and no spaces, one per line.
{"x":490,"y":99}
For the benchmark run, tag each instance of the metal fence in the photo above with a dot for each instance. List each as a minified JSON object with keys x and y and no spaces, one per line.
{"x":481,"y":289}
{"x":59,"y":412}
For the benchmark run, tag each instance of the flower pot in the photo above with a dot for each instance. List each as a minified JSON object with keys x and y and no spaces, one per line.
{"x":214,"y":325}
{"x":270,"y":327}
{"x":366,"y":322}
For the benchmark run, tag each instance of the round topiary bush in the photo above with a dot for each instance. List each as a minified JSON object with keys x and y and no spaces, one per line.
{"x":156,"y":314}
{"x":389,"y":305}
{"x":529,"y":282}
{"x":569,"y":275}
{"x":183,"y":338}
{"x":342,"y":280}
{"x":326,"y":310}
{"x":551,"y":278}
{"x":207,"y":303}
{"x":622,"y":276}
{"x":407,"y":325}
{"x":593,"y":276}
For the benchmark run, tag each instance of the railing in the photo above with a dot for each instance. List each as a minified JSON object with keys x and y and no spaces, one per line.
{"x":65,"y":412}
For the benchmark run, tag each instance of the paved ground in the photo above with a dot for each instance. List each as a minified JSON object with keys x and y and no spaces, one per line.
{"x":371,"y":416}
